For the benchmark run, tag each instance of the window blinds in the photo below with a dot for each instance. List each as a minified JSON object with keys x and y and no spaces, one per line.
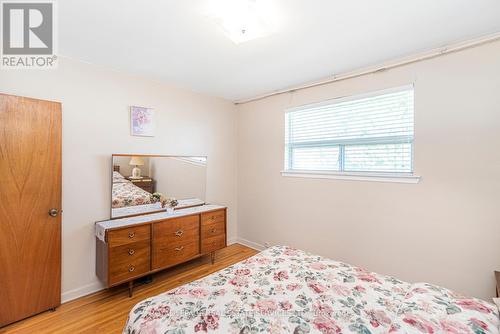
{"x":370,"y":133}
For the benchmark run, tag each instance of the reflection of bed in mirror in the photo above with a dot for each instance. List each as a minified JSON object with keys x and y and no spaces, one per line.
{"x":136,"y":177}
{"x":125,"y":193}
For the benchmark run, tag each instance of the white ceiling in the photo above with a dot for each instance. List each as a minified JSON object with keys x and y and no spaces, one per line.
{"x":173,"y":41}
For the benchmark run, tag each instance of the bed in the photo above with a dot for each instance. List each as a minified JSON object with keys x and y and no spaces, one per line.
{"x":285,"y":290}
{"x":125,"y":193}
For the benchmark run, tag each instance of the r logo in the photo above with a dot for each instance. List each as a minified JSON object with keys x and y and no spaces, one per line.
{"x":27,"y":28}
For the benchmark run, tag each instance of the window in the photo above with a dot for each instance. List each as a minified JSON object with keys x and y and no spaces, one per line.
{"x":361,"y":135}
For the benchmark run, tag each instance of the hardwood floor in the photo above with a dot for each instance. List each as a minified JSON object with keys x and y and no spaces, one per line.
{"x":106,"y":311}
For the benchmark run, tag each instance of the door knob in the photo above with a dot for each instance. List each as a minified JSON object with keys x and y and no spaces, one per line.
{"x":53,"y":212}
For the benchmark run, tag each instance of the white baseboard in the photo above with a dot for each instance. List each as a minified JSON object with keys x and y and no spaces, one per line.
{"x":250,"y":244}
{"x":232,"y":240}
{"x":81,"y":291}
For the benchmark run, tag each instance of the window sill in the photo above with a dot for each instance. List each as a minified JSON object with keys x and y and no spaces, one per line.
{"x":372,"y":177}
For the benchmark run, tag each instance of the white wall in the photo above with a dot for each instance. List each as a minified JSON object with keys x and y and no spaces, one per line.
{"x":96,"y":124}
{"x":179,"y":179}
{"x":444,"y":230}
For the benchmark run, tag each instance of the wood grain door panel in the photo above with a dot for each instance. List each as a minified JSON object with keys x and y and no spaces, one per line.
{"x":30,"y":239}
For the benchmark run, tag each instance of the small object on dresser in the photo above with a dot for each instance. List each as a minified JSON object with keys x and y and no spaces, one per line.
{"x":170,"y":203}
{"x":157,"y":197}
{"x":166,"y":202}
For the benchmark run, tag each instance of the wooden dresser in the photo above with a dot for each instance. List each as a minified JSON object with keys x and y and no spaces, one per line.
{"x":130,"y":248}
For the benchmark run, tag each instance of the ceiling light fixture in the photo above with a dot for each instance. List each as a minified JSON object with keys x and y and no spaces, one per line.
{"x":243,"y":20}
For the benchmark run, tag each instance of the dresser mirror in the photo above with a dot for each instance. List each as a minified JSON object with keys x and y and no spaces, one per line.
{"x":144,"y":184}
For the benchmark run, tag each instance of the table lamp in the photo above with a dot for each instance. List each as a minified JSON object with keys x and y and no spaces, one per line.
{"x":136,"y":172}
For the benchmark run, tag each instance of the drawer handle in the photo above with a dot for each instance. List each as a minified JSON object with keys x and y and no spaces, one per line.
{"x":213,"y":230}
{"x":179,"y":233}
{"x":213,"y":217}
{"x":131,"y":251}
{"x":131,"y":268}
{"x":178,"y":249}
{"x":131,"y":234}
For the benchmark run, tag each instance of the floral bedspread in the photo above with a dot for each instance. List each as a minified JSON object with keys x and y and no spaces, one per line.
{"x":125,"y":193}
{"x":117,"y":177}
{"x":284,"y":290}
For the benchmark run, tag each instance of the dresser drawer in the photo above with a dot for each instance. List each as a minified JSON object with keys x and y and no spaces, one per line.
{"x":213,"y":217}
{"x":127,"y":235}
{"x":209,"y":229}
{"x":129,"y":260}
{"x":213,"y":244}
{"x":183,"y":229}
{"x":169,"y":254}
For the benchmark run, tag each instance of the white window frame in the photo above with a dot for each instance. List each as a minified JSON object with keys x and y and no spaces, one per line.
{"x":398,"y":177}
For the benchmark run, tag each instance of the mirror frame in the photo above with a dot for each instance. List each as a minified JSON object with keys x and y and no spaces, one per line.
{"x":148,"y":156}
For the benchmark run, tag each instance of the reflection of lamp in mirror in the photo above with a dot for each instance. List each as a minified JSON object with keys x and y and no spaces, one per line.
{"x":136,"y":172}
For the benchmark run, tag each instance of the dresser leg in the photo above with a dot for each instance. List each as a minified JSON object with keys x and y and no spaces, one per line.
{"x":130,"y":288}
{"x":212,"y":257}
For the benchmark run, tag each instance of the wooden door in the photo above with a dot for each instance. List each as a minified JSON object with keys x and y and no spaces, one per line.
{"x":30,"y":186}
